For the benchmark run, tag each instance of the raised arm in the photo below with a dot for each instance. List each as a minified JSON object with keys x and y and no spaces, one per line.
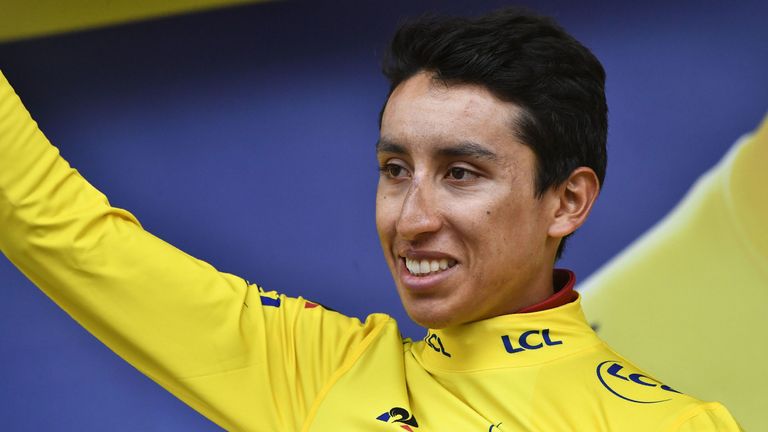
{"x":200,"y":333}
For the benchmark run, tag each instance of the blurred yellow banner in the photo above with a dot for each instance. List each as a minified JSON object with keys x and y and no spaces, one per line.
{"x":20,"y":19}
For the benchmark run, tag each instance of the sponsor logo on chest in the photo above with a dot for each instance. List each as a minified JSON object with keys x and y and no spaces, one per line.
{"x":401,"y":417}
{"x":529,"y":340}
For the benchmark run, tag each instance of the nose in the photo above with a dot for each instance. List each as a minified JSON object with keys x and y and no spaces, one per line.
{"x":419,"y":215}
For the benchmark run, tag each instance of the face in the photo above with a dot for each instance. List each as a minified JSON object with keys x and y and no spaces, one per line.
{"x":463,"y":232}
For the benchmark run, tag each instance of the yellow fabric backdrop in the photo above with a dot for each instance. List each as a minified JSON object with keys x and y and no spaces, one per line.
{"x":21,"y":19}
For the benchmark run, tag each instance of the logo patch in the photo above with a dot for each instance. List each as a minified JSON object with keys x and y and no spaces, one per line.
{"x":631,"y":386}
{"x":527,"y":342}
{"x":436,"y":344}
{"x":401,"y":416}
{"x":267,"y":300}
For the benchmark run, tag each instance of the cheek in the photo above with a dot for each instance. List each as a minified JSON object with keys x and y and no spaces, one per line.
{"x":385,"y":214}
{"x":379,"y":216}
{"x":485,"y":226}
{"x":502,"y":225}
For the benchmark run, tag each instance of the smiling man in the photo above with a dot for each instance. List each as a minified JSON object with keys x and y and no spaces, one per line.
{"x":464,"y":229}
{"x":492,"y":151}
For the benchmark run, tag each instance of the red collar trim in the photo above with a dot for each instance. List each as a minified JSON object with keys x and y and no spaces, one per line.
{"x":563,"y":281}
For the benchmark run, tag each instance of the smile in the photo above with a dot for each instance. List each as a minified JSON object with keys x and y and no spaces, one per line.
{"x":425,"y":267}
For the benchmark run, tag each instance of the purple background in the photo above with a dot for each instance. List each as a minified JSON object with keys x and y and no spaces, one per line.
{"x":246,"y":137}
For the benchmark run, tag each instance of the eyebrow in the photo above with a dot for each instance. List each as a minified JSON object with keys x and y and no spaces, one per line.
{"x":384,"y":145}
{"x":462,"y":149}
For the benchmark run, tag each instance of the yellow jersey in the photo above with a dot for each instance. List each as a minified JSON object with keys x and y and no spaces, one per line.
{"x":258,"y":361}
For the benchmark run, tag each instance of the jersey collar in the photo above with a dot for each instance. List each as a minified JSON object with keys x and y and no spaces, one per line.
{"x":564,"y":281}
{"x":516,"y":340}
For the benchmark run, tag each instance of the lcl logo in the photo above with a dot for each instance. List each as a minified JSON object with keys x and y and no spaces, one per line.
{"x":436,"y":344}
{"x":630,"y":384}
{"x":526,"y":341}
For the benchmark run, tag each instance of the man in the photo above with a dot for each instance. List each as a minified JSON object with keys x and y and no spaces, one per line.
{"x":492,"y":151}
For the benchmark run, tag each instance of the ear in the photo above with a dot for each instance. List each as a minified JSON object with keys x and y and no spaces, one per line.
{"x":574,"y":199}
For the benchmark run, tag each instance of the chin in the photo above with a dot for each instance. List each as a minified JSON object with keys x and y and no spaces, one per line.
{"x":431,"y":318}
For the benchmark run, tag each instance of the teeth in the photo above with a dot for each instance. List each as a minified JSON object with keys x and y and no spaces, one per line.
{"x":423,"y":267}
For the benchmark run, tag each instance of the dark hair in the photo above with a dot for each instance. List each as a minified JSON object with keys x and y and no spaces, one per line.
{"x":525,"y":59}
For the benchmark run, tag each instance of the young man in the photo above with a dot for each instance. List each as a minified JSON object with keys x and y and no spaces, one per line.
{"x":492,"y":150}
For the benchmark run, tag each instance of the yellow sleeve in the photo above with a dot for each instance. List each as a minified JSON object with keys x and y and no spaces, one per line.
{"x":711,"y":417}
{"x":201,"y":334}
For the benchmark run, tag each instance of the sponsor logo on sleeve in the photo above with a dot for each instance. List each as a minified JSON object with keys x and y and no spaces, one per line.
{"x":630,"y":385}
{"x":269,"y":300}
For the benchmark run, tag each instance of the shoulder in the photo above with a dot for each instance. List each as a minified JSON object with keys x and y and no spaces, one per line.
{"x":629,"y":398}
{"x":298,"y":321}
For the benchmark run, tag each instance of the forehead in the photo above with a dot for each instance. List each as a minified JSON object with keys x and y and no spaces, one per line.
{"x":425,"y":110}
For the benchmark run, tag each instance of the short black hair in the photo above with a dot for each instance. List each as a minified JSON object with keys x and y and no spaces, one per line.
{"x":525,"y":59}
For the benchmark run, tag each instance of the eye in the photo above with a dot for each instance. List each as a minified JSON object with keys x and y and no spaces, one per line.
{"x":393,"y":171}
{"x":458,"y":173}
